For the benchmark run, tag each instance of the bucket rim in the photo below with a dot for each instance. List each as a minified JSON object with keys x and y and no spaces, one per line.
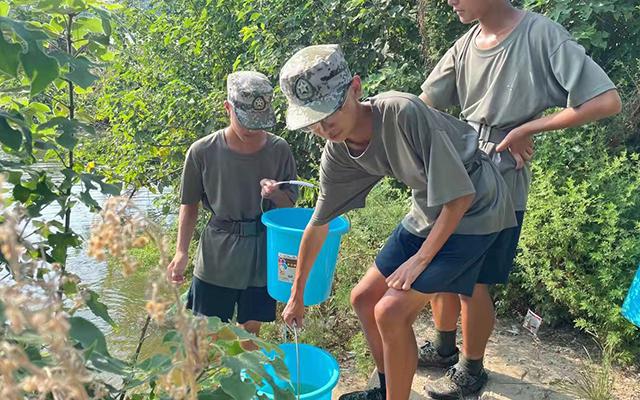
{"x":335,"y":376}
{"x":342,"y":227}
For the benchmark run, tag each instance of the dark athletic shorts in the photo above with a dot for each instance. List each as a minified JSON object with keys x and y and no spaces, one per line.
{"x":254,"y":303}
{"x":463,"y":261}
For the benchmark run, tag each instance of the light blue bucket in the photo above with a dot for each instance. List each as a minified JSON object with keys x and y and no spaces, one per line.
{"x":631,"y":306}
{"x":284,"y":233}
{"x":319,"y":372}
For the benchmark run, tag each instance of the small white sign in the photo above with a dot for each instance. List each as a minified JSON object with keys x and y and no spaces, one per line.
{"x":532,"y":322}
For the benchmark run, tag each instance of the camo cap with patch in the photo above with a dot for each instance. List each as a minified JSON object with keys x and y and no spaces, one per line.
{"x":251,"y":93}
{"x":314,"y":80}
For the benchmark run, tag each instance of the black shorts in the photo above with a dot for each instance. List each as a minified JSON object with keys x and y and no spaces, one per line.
{"x":254,"y":303}
{"x":463,"y":261}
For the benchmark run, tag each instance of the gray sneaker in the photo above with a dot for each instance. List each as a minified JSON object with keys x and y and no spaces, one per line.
{"x":428,"y":357}
{"x":456,"y":384}
{"x":369,"y":394}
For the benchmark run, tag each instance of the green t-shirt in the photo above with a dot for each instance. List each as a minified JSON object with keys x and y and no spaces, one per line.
{"x":429,"y":151}
{"x":228,"y":184}
{"x":537,"y":66}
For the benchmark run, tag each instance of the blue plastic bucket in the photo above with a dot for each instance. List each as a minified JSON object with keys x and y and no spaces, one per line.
{"x":319,"y":372}
{"x":631,"y":306}
{"x":284,"y":233}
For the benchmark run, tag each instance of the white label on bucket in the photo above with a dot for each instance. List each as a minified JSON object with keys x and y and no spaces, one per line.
{"x":287,"y":267}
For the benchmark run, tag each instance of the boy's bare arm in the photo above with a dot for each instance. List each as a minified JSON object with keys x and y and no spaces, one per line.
{"x":601,"y":106}
{"x":425,"y":99}
{"x":312,"y":240}
{"x":446,"y":223}
{"x":186,"y":225}
{"x":269,"y":190}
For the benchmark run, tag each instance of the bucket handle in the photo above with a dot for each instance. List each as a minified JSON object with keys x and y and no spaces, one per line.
{"x":292,"y":182}
{"x":299,"y":183}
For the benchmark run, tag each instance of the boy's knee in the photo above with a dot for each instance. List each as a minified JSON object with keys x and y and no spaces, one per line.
{"x":389,"y":313}
{"x":362,"y":297}
{"x":252,"y":327}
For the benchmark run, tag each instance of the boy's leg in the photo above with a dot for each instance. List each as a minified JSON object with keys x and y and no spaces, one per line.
{"x":364,"y":297}
{"x":468,"y":375}
{"x":211,"y":300}
{"x":442,"y":352}
{"x":255,"y":306}
{"x":252,"y":327}
{"x":395,"y":314}
{"x":445,"y":308}
{"x":478,"y":319}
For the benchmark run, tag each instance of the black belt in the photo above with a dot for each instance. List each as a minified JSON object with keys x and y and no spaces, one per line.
{"x":488,"y":133}
{"x":474,"y":163}
{"x":489,"y":136}
{"x":249,"y":227}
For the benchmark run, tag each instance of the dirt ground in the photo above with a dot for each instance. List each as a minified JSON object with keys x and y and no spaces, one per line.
{"x":520,"y":366}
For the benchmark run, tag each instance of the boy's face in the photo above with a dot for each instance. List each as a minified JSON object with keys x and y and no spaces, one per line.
{"x":243,"y":133}
{"x":338,"y":126}
{"x":471,"y":10}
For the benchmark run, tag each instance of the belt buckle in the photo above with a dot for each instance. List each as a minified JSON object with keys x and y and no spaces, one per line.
{"x":248,"y":228}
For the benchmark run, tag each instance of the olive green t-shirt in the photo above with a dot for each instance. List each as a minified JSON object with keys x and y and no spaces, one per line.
{"x":537,"y":66}
{"x":429,"y":151}
{"x":228,"y":184}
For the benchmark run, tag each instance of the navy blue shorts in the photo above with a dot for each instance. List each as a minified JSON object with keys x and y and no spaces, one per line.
{"x":254,"y":303}
{"x":463,"y":261}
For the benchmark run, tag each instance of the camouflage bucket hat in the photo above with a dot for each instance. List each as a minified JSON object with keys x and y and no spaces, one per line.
{"x":314,"y":80}
{"x":251,"y":93}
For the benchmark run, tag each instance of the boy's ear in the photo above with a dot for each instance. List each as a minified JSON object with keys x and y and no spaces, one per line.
{"x":356,"y":85}
{"x":227,"y":107}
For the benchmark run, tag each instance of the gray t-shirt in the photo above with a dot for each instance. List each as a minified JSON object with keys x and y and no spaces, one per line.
{"x":228,"y":184}
{"x":429,"y":151}
{"x":537,"y":66}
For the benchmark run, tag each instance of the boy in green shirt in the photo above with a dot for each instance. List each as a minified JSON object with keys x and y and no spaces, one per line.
{"x":504,"y":73}
{"x":460,"y":207}
{"x":230,"y":172}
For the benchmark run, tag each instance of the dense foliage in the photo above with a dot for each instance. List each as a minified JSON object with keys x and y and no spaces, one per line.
{"x":115,"y":95}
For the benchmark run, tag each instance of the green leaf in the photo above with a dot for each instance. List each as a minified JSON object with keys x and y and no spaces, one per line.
{"x":44,"y":191}
{"x":80,"y":74}
{"x":89,"y":201}
{"x":42,"y":145}
{"x":2,"y":317}
{"x":156,"y":362}
{"x":10,"y":137}
{"x":106,"y":188}
{"x":14,"y":177}
{"x":4,"y":8}
{"x":69,"y":287}
{"x":109,"y":364}
{"x":60,"y":242}
{"x":217,"y":394}
{"x":67,"y":139}
{"x":39,"y":67}
{"x":10,"y":56}
{"x":99,"y":309}
{"x":21,"y":193}
{"x":26,"y":33}
{"x":62,"y":7}
{"x":237,"y":388}
{"x":69,"y":129}
{"x":87,"y":334}
{"x":66,"y":124}
{"x":106,"y":20}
